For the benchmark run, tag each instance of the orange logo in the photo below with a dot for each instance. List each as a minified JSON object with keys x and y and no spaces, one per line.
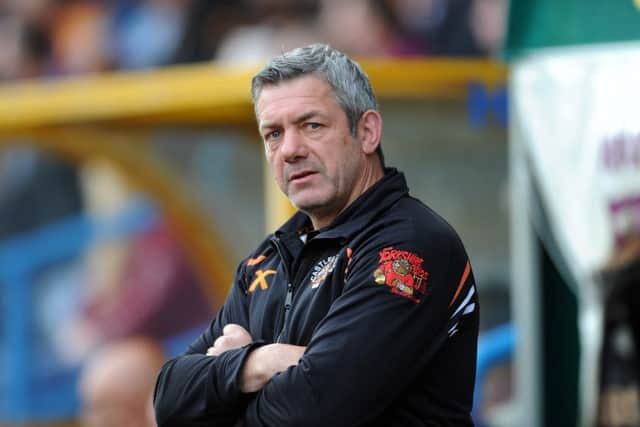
{"x":261,"y":280}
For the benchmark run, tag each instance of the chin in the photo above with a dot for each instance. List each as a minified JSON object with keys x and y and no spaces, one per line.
{"x":307,"y":207}
{"x":310,"y":206}
{"x":306,"y":202}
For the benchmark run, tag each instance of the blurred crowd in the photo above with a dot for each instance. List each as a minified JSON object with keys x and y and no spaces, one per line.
{"x":42,"y":38}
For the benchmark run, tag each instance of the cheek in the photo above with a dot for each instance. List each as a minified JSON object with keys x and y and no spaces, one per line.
{"x":276,"y":167}
{"x":351,"y":165}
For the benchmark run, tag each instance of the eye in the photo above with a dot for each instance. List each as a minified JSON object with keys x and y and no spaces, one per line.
{"x":271,"y":135}
{"x":314,"y":126}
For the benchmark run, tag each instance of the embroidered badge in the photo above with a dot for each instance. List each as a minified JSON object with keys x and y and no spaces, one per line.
{"x":402,"y":272}
{"x":322,"y":270}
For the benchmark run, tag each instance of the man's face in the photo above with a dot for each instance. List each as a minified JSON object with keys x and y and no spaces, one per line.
{"x":313,"y":157}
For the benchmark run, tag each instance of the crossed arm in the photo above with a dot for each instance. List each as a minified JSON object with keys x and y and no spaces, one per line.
{"x":262,"y":363}
{"x":226,"y":375}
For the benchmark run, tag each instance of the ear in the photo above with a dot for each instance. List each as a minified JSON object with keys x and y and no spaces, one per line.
{"x":370,"y":131}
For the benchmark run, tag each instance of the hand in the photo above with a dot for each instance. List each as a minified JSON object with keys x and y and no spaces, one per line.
{"x":233,"y":336}
{"x":266,"y":361}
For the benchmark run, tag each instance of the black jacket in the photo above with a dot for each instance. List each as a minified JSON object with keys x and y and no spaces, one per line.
{"x":383,"y":299}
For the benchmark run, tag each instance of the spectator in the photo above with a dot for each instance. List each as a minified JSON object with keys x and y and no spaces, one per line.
{"x":79,"y":38}
{"x":148,"y":33}
{"x":117,"y":382}
{"x":367,"y":34}
{"x":619,"y":373}
{"x":436,"y":27}
{"x":488,"y":25}
{"x":284,"y":24}
{"x":35,"y":189}
{"x":207,"y":23}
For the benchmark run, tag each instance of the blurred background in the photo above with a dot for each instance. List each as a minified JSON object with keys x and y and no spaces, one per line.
{"x":132,"y":181}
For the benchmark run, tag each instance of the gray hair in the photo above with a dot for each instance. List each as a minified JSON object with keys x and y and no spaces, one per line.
{"x":349,"y":82}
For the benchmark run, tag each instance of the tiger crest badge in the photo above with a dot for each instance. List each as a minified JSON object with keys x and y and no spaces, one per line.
{"x":402,"y":272}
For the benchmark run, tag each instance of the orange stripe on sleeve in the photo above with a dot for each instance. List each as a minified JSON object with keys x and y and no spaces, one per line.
{"x":255,"y":261}
{"x":465,"y":274}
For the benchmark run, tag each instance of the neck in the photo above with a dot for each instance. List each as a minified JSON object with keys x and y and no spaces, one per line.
{"x":371,"y":173}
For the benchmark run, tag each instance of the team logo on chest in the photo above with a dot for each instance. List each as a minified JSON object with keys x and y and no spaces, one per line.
{"x":321,"y":270}
{"x":402,"y":272}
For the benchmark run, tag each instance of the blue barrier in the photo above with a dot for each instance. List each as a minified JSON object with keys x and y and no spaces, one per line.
{"x":494,"y":347}
{"x":26,"y":396}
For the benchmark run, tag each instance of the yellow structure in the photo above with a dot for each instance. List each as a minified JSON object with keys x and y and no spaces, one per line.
{"x":76,"y":117}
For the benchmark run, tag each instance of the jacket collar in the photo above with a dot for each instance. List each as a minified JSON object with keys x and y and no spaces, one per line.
{"x":378,"y":198}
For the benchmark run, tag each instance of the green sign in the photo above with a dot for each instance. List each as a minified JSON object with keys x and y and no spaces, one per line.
{"x":545,"y":23}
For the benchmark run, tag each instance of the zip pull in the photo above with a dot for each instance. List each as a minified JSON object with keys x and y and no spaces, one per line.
{"x":288,"y":299}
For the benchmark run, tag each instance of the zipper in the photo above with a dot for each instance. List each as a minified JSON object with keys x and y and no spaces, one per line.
{"x":288,"y":300}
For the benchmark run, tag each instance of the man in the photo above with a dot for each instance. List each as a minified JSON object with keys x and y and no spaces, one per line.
{"x":116,"y":384}
{"x":361,"y":309}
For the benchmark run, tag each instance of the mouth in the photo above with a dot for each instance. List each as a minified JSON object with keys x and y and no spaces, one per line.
{"x":301,"y":175}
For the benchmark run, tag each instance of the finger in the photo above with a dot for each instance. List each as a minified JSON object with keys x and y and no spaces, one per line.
{"x":233,"y":329}
{"x":222,"y":341}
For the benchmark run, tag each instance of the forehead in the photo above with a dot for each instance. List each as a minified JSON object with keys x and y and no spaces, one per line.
{"x":294,"y":93}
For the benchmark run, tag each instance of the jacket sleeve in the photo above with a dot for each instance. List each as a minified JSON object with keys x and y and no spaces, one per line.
{"x":199,"y":390}
{"x":374,"y":341}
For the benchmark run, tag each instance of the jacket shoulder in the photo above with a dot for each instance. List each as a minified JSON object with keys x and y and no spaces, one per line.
{"x":411,"y":220}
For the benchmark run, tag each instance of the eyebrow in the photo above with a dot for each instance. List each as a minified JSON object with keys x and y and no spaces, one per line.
{"x":304,"y":117}
{"x":307,"y":116}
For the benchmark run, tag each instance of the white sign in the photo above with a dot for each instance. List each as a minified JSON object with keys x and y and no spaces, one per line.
{"x":578,"y":113}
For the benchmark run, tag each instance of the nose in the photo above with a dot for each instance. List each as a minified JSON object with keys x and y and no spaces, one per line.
{"x":293,"y":146}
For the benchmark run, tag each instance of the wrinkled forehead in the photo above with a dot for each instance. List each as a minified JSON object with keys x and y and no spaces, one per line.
{"x":306,"y":89}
